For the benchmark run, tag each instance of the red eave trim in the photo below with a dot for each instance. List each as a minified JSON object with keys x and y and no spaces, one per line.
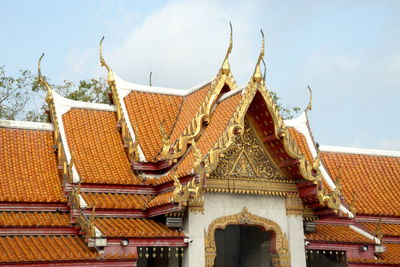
{"x":38,"y":231}
{"x":159,"y":210}
{"x":151,"y":166}
{"x":124,"y":262}
{"x":149,"y":242}
{"x":33,"y":206}
{"x":375,"y":219}
{"x":121,"y":189}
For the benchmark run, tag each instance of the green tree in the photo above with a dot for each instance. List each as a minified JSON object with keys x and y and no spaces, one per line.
{"x":17,"y":94}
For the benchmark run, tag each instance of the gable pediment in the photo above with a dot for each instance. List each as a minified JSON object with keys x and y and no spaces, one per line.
{"x":247,"y":167}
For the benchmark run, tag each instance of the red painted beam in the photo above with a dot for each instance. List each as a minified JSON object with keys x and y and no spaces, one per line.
{"x":108,"y":263}
{"x":33,"y":206}
{"x":268,"y":138}
{"x":159,"y":210}
{"x":151,"y":166}
{"x":288,"y":162}
{"x":149,"y":242}
{"x":39,"y":231}
{"x":308,"y":191}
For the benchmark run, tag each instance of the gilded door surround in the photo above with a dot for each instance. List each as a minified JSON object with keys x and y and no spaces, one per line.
{"x":279,"y":243}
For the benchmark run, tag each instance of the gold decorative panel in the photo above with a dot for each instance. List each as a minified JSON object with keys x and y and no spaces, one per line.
{"x":245,"y":167}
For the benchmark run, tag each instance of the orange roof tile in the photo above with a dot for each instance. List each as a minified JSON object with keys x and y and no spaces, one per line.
{"x":390,"y":256}
{"x":116,"y":201}
{"x":124,"y":227}
{"x":375,"y":181}
{"x":302,"y":143}
{"x":146,"y":111}
{"x":388,"y":229}
{"x":190,"y":106}
{"x":336,"y":233}
{"x":97,"y":148}
{"x":160,"y":199}
{"x":28,"y":169}
{"x":34,"y":219}
{"x":218,"y":123}
{"x":43,"y":248}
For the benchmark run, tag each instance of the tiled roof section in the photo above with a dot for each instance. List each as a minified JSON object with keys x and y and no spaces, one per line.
{"x":388,"y":229}
{"x":97,"y":148}
{"x":28,"y":169}
{"x":43,"y":248}
{"x":302,"y":143}
{"x":190,"y":106}
{"x":160,"y":199}
{"x":375,"y":181}
{"x":34,"y":219}
{"x":116,"y":201}
{"x":124,"y":227}
{"x":390,"y":256}
{"x":336,"y":233}
{"x":146,"y":111}
{"x":218,"y":123}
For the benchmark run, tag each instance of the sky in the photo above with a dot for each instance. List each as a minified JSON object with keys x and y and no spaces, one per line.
{"x":347,"y":51}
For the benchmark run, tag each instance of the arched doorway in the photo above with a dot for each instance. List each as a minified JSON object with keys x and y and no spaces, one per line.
{"x":278,"y":244}
{"x":242,"y":246}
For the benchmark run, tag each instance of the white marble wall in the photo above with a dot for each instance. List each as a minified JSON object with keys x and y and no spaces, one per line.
{"x":223,"y":204}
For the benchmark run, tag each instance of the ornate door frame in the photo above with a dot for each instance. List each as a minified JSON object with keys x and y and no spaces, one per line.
{"x":279,"y":243}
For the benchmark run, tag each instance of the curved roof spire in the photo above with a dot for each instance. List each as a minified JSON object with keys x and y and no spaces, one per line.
{"x":110,"y":77}
{"x":226,"y":68}
{"x":42,"y":81}
{"x":257,"y":76}
{"x":309,"y":106}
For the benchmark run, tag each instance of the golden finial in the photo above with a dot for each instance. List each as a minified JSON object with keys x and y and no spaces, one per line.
{"x":110,"y":77}
{"x":42,"y":80}
{"x":309,"y":106}
{"x":257,"y":76}
{"x":265,"y":69}
{"x":151,"y":73}
{"x":225,"y":65}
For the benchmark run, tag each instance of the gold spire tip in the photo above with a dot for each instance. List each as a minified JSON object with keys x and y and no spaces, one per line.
{"x":225,"y":65}
{"x":309,"y":106}
{"x":39,"y":71}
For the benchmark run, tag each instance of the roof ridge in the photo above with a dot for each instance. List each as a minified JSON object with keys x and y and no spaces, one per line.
{"x":69,"y":103}
{"x":27,"y":125}
{"x":362,"y":151}
{"x":132,"y":87}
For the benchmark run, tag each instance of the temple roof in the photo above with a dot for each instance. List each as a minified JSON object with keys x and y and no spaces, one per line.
{"x":97,"y":149}
{"x":28,"y":169}
{"x":373,"y":180}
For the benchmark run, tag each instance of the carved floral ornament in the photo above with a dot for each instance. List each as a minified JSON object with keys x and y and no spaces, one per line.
{"x":279,"y":253}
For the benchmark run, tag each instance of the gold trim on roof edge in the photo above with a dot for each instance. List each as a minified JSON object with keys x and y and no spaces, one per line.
{"x":176,"y":150}
{"x":330,"y":199}
{"x":131,"y":146}
{"x":236,"y":125}
{"x":61,"y":157}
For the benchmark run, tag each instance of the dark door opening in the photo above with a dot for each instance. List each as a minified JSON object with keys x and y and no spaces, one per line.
{"x":242,"y":246}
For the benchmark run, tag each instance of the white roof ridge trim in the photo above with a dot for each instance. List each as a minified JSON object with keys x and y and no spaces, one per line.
{"x":27,"y":125}
{"x":132,"y":87}
{"x":79,"y":104}
{"x":363,"y":151}
{"x":231,"y":93}
{"x":364,"y":233}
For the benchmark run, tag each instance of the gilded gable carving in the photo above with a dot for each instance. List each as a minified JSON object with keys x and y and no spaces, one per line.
{"x":246,"y":159}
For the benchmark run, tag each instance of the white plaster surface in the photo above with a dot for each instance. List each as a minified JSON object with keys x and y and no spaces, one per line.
{"x":27,"y":125}
{"x":223,"y":204}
